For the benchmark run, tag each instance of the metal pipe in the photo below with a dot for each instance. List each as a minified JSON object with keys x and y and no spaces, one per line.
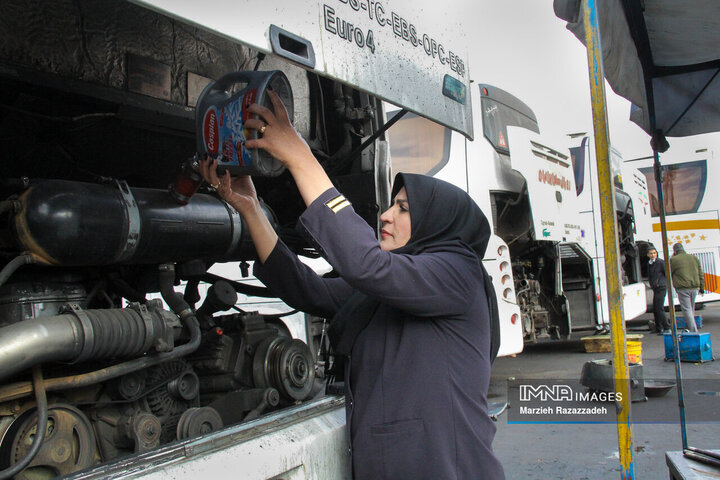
{"x":671,"y":296}
{"x":23,"y":389}
{"x":39,"y":340}
{"x":81,"y":335}
{"x":612,"y":264}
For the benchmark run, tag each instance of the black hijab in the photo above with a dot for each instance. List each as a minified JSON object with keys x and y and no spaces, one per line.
{"x":442,"y":217}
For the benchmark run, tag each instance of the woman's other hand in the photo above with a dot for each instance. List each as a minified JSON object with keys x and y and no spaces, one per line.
{"x":239,"y":191}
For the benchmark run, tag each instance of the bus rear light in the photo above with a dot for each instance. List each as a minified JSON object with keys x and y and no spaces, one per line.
{"x":504,"y":266}
{"x":505,"y":279}
{"x":514,"y":318}
{"x":507,"y":292}
{"x":598,"y":297}
{"x":501,"y":250}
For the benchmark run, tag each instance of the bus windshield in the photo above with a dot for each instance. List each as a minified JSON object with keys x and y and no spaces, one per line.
{"x":418,"y":145}
{"x":683,"y":187}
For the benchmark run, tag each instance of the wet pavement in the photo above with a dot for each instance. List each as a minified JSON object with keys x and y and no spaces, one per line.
{"x":590,"y":451}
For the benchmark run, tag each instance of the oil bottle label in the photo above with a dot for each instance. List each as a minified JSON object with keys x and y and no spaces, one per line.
{"x":224,"y":131}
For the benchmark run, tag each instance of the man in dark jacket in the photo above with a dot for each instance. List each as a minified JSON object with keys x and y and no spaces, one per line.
{"x":658,"y":284}
{"x":688,"y":279}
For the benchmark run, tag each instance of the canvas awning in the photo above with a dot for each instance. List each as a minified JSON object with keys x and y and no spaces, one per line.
{"x":663,"y":56}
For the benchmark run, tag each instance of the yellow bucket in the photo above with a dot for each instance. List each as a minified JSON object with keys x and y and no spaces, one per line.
{"x":634,"y":352}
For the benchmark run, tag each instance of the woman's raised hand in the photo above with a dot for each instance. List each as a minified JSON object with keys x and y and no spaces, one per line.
{"x":278,"y":136}
{"x":237,"y":191}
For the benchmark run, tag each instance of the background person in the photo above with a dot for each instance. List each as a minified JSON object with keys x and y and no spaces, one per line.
{"x":413,"y":313}
{"x":658,"y":284}
{"x":688,"y":279}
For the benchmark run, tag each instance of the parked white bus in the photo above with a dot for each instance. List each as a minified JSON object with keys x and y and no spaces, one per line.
{"x":632,"y":223}
{"x":692,"y":202}
{"x":550,"y":283}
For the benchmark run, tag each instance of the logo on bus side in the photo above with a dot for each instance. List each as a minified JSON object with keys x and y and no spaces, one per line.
{"x":554,"y":179}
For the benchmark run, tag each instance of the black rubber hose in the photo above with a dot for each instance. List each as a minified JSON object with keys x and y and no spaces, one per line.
{"x":42,"y":412}
{"x":166,"y":280}
{"x":13,"y":265}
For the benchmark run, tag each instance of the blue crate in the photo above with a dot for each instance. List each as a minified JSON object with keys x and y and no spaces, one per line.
{"x":693,"y":346}
{"x":680,"y":321}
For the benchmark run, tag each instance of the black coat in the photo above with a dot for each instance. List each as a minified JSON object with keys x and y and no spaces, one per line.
{"x":656,"y":274}
{"x":419,"y":371}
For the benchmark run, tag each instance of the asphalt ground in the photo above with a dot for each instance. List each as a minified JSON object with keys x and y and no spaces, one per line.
{"x":590,"y":450}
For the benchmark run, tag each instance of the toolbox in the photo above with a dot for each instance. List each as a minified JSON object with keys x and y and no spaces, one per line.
{"x":693,"y":346}
{"x":680,"y":321}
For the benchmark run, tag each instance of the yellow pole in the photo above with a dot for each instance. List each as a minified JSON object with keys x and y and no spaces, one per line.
{"x":612,"y":264}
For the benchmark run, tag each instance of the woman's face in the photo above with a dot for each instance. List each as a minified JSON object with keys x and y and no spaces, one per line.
{"x":395,"y":220}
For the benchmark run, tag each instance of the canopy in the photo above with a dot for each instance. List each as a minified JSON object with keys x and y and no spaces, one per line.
{"x":663,"y":56}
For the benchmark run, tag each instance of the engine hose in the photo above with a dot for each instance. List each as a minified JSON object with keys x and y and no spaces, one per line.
{"x":166,"y":280}
{"x":517,"y":294}
{"x":14,"y":264}
{"x":176,"y":303}
{"x":78,"y":336}
{"x":42,"y":412}
{"x":23,"y":389}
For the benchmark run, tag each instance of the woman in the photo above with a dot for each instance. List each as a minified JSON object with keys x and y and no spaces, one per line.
{"x":411,"y":313}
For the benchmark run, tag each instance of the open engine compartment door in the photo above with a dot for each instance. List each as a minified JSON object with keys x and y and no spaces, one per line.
{"x":550,"y":186}
{"x":378,"y":47}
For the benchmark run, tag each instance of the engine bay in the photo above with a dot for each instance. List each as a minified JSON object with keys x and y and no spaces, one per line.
{"x":110,"y":347}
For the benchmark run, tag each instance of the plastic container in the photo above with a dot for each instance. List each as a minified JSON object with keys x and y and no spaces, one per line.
{"x":220,"y":118}
{"x":693,"y":346}
{"x":634,"y":352}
